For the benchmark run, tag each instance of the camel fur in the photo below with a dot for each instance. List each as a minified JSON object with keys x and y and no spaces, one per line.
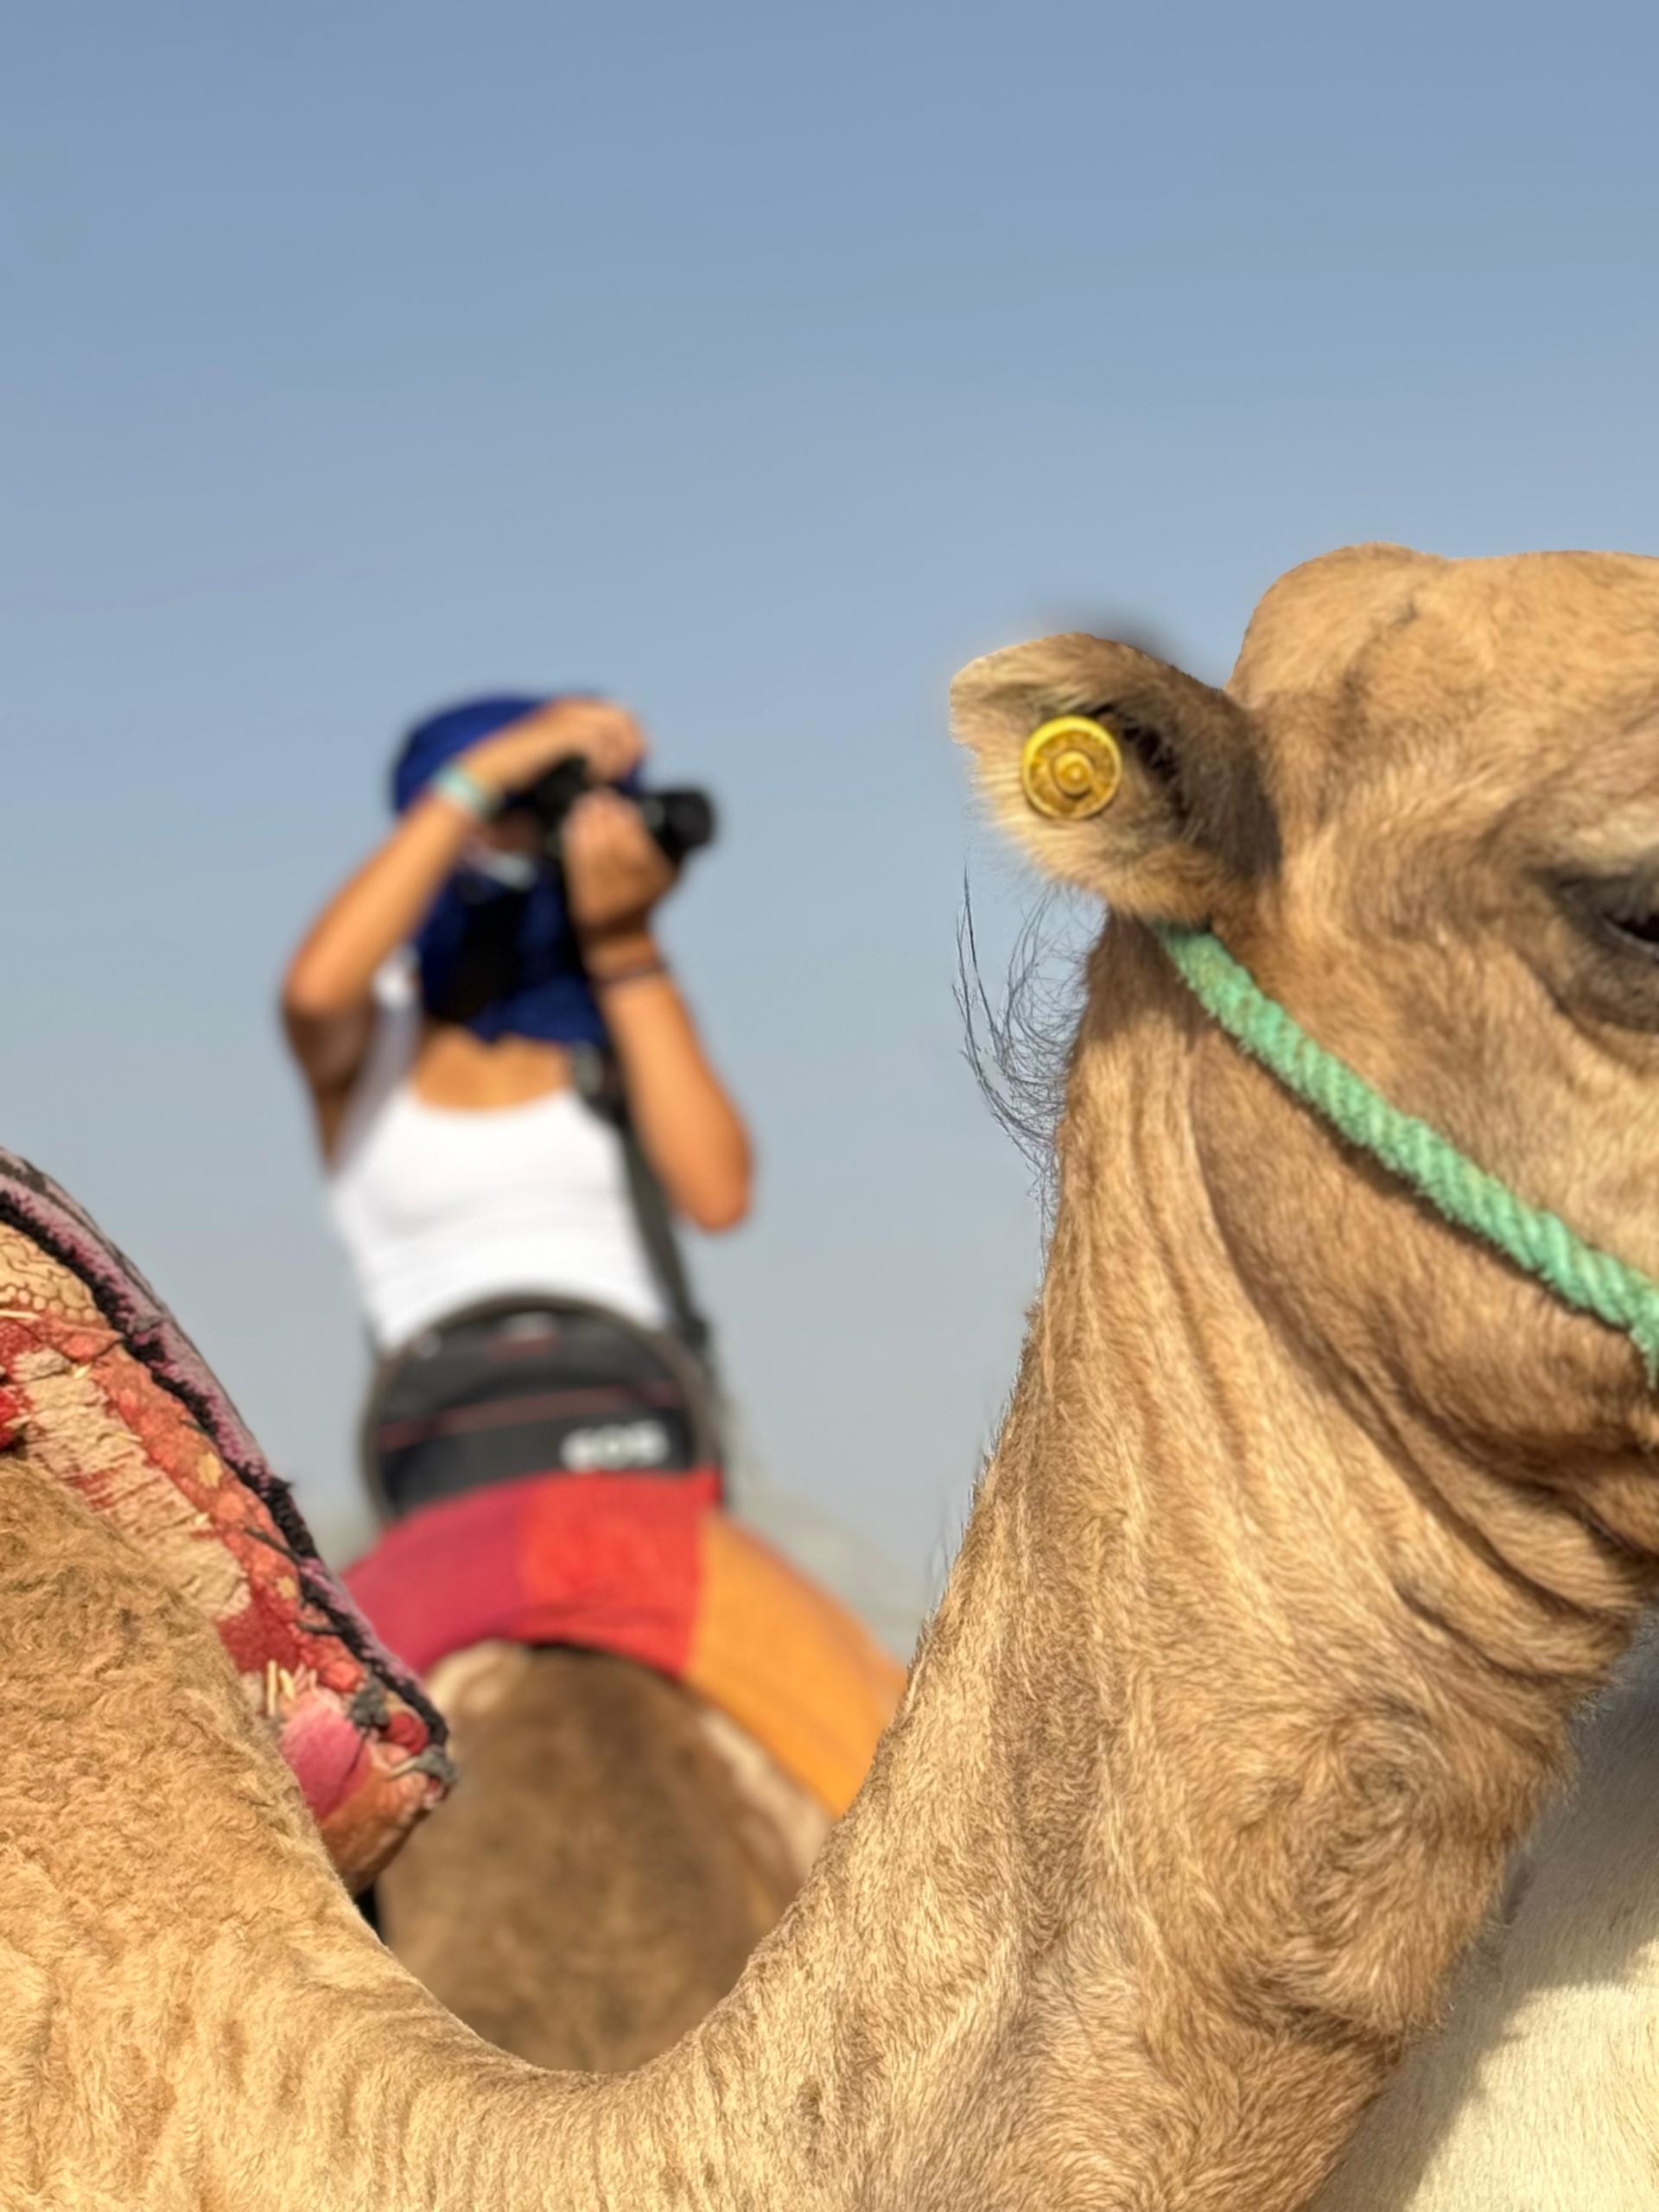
{"x":1311,"y":1528}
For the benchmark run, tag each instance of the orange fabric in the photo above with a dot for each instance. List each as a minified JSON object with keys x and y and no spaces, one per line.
{"x":653,"y":1569}
{"x":789,"y":1663}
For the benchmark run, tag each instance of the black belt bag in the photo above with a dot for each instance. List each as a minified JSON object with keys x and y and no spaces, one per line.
{"x":529,"y":1385}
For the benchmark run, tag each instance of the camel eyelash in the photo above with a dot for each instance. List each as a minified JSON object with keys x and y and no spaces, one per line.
{"x":1618,"y":910}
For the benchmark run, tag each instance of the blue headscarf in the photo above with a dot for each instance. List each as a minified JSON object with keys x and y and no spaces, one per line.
{"x":517,"y":947}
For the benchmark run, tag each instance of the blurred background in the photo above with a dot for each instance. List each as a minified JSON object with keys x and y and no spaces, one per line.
{"x":760,"y":364}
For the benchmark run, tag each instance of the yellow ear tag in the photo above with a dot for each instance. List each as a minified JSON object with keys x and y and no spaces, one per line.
{"x":1070,"y":768}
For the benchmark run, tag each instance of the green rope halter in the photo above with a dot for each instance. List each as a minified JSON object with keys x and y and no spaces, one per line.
{"x":1539,"y":1243}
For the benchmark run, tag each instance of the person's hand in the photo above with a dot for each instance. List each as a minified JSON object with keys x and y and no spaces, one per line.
{"x":615,"y":871}
{"x":606,"y":736}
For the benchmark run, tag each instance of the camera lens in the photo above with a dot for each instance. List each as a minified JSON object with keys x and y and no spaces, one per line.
{"x":681,"y":821}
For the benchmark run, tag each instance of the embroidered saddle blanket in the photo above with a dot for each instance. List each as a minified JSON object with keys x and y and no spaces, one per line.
{"x":102,"y":1390}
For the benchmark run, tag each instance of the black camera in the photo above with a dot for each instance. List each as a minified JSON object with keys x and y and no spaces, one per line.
{"x":681,"y":821}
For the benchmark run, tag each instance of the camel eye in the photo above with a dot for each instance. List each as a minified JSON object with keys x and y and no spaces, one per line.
{"x":1622,"y":910}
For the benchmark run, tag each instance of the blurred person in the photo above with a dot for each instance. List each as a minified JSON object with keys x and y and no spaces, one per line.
{"x":659,"y":1713}
{"x":511,"y":1099}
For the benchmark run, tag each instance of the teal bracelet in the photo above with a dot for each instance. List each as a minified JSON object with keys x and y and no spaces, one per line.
{"x":463,"y":789}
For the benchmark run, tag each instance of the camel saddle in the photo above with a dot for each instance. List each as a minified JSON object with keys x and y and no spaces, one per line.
{"x":102,"y":1390}
{"x":552,"y":1473}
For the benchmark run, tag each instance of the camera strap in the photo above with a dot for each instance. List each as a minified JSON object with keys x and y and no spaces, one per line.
{"x":598,"y":1082}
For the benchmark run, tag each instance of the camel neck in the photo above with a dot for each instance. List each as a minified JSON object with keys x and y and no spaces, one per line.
{"x":1246,"y":1683}
{"x":1244,"y":1687}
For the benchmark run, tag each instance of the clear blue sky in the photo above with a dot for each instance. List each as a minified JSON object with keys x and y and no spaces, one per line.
{"x":763,"y":363}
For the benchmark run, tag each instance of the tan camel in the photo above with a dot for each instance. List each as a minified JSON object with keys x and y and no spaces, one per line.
{"x":1312,"y":1524}
{"x":615,"y":1852}
{"x":641,"y":1831}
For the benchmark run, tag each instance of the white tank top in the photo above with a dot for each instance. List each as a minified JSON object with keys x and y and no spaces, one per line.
{"x":439,"y":1207}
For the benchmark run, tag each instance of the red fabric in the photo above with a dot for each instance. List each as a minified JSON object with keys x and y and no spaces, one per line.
{"x":607,"y":1562}
{"x":650,"y":1568}
{"x":369,"y":1764}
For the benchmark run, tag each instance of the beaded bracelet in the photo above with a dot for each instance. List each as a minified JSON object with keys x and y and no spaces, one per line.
{"x":463,"y":789}
{"x":634,"y":975}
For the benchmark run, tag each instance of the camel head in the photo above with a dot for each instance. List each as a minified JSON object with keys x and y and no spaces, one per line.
{"x":1424,"y":813}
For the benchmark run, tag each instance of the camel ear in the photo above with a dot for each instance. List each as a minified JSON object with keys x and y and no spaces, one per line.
{"x":1189,"y":816}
